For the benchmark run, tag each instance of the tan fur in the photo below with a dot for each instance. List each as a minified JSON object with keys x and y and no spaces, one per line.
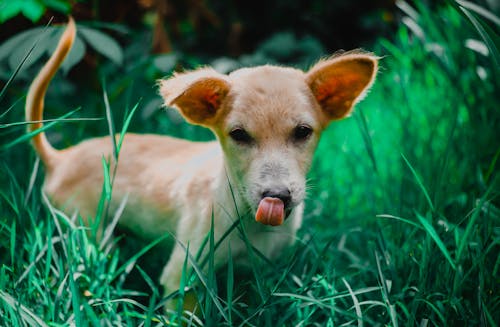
{"x":36,"y":93}
{"x":175,"y":186}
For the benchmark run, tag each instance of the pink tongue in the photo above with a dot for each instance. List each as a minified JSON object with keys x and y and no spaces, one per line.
{"x":271,"y":211}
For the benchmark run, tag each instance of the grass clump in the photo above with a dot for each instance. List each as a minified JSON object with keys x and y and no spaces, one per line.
{"x":402,"y":221}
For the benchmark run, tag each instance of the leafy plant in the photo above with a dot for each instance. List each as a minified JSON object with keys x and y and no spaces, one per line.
{"x":31,"y":9}
{"x":43,"y":40}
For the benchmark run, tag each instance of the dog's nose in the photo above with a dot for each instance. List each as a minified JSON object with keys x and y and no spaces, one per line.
{"x":282,"y":193}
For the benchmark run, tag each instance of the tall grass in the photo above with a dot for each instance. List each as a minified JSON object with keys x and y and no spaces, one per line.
{"x":402,"y":220}
{"x":434,"y":184}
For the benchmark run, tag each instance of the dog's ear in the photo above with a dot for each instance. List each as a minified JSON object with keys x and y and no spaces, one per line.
{"x":338,"y":83}
{"x":198,"y":95}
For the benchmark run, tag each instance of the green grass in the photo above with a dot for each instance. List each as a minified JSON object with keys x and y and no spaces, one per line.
{"x":402,"y":220}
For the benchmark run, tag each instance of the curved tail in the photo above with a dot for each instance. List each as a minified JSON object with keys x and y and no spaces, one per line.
{"x":36,"y":94}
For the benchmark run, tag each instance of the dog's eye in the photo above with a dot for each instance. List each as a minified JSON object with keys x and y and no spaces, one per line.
{"x":302,"y":133}
{"x":239,"y":135}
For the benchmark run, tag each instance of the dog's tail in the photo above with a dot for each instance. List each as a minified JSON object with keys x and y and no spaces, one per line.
{"x":36,"y":94}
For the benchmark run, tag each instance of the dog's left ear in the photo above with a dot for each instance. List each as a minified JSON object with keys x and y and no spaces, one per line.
{"x":340,"y":82}
{"x":198,"y":95}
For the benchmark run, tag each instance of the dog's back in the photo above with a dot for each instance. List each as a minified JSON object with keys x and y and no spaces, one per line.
{"x":149,"y":170}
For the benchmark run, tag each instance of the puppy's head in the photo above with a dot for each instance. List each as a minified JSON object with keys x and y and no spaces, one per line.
{"x":269,"y":119}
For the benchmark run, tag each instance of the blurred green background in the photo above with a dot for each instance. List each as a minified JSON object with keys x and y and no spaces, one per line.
{"x":404,"y":195}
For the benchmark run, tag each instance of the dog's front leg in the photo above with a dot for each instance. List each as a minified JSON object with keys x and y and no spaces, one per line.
{"x":172,"y":275}
{"x":191,"y":233}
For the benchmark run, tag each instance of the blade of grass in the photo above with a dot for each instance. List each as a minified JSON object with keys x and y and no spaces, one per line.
{"x":12,"y":106}
{"x":126,"y":125}
{"x":20,"y":65}
{"x":248,"y":246}
{"x":355,"y":301}
{"x":385,"y":293}
{"x":32,"y":264}
{"x":111,"y":226}
{"x":489,"y":37}
{"x":149,"y":317}
{"x":13,"y":234}
{"x":107,"y":179}
{"x":204,"y":282}
{"x":211,"y":282}
{"x":219,"y":241}
{"x":75,"y":293}
{"x":363,"y":127}
{"x":308,"y":299}
{"x":479,"y":10}
{"x":409,"y":222}
{"x":29,"y":135}
{"x":229,"y":285}
{"x":109,"y":118}
{"x":432,"y":232}
{"x":34,"y":173}
{"x":487,"y":313}
{"x":182,"y":287}
{"x":136,"y":256}
{"x":492,"y":166}
{"x":471,"y":224}
{"x":29,"y":317}
{"x":436,"y":311}
{"x":54,"y":215}
{"x":21,"y":123}
{"x":419,"y":182}
{"x":487,"y":34}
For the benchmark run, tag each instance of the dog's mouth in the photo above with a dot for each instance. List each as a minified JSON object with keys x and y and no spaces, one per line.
{"x":272,"y":211}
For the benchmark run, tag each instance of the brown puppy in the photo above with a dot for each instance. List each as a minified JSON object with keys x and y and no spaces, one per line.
{"x":267,"y":121}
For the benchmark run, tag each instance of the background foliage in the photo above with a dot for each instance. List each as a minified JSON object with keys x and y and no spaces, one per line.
{"x":402,"y":218}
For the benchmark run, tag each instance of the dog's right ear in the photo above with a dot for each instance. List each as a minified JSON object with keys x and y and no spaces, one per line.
{"x":198,"y":95}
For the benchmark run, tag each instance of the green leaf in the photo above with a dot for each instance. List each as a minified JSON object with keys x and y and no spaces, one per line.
{"x":480,"y":10}
{"x":165,"y":63}
{"x":203,"y":281}
{"x":29,"y":317}
{"x":111,"y":123}
{"x":29,"y":135}
{"x":182,"y":285}
{"x":9,"y":9}
{"x":409,"y":222}
{"x":229,"y":283}
{"x":13,"y":242}
{"x":74,"y":56}
{"x":432,"y":232}
{"x":472,"y":223}
{"x":126,"y":125}
{"x":136,"y":256}
{"x":39,"y":41}
{"x":16,"y":71}
{"x":118,"y":28}
{"x":33,"y":10}
{"x":107,"y":179}
{"x":419,"y":182}
{"x":75,"y":295}
{"x":9,"y":46}
{"x":58,"y":5}
{"x":103,"y":44}
{"x":488,"y":36}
